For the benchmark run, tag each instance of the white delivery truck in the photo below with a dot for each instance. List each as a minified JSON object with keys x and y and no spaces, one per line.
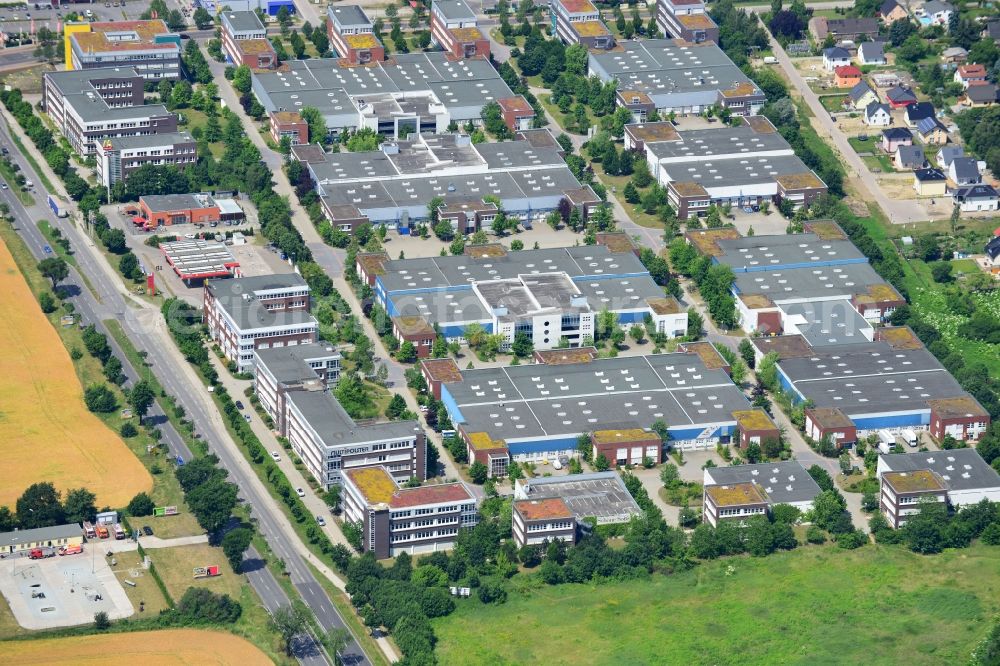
{"x":910,"y":437}
{"x":886,"y":440}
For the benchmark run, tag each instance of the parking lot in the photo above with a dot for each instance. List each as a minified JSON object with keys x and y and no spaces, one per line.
{"x":62,"y":591}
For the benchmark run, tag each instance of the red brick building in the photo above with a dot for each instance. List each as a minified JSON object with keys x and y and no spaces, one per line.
{"x":438,"y":371}
{"x":831,"y":423}
{"x":627,"y":447}
{"x":454,"y":29}
{"x":352,"y":35}
{"x":755,"y":427}
{"x":517,"y":113}
{"x":492,"y":453}
{"x":167,"y":209}
{"x":290,"y":124}
{"x":244,"y":41}
{"x":963,"y":418}
{"x":415,"y":330}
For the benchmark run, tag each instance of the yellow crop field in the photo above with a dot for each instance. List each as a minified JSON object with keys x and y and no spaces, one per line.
{"x":46,"y":432}
{"x":170,"y":647}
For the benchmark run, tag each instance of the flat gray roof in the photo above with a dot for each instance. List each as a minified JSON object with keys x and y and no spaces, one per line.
{"x":961,"y":469}
{"x":199,"y":257}
{"x":243,"y":21}
{"x":18,"y":537}
{"x":784,"y":482}
{"x":348,"y":15}
{"x":525,"y":402}
{"x":824,"y":323}
{"x":291,"y":364}
{"x":157,"y":202}
{"x":336,"y":427}
{"x":92,"y":108}
{"x":151,"y":140}
{"x":78,"y":80}
{"x":600,"y":495}
{"x":782,"y":251}
{"x":870,"y":378}
{"x":248,"y":312}
{"x":455,"y":10}
{"x":736,"y":141}
{"x":748,"y":170}
{"x":802,"y":284}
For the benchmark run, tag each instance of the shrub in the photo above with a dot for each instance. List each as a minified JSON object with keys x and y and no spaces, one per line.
{"x":141,"y":505}
{"x":815,"y":535}
{"x":199,"y":605}
{"x":128,"y":429}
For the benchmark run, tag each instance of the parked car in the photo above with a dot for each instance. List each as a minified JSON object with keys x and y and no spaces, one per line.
{"x":320,"y":521}
{"x":300,"y":492}
{"x":275,"y":456}
{"x":239,"y":405}
{"x":147,"y":530}
{"x":3,"y":186}
{"x":247,"y":417}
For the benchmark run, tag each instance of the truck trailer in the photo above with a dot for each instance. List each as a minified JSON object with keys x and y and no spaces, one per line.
{"x":57,"y":208}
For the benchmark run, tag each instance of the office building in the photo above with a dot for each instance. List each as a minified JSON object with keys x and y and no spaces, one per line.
{"x":454,"y":28}
{"x":352,"y":35}
{"x":90,"y":106}
{"x":675,"y":76}
{"x":398,"y":520}
{"x":118,"y":157}
{"x":290,"y":124}
{"x":741,"y":491}
{"x":148,"y":47}
{"x":687,"y":20}
{"x":544,"y":520}
{"x":244,"y":41}
{"x":579,"y":22}
{"x":260,"y":312}
{"x":278,"y":371}
{"x":743,"y":166}
{"x":601,"y":496}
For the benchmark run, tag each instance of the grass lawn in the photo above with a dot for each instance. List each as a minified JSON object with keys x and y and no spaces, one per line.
{"x":145,"y":590}
{"x":616,"y":188}
{"x":816,"y":605}
{"x":859,"y":146}
{"x":833,"y":102}
{"x":9,"y":175}
{"x":964,"y":266}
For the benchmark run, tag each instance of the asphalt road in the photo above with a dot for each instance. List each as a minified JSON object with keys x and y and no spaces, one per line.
{"x":140,"y":326}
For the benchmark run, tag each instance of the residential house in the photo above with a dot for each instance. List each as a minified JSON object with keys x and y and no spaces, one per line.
{"x":954,"y":55}
{"x":992,"y":252}
{"x":947,"y":154}
{"x":937,"y":12}
{"x":964,"y":171}
{"x":872,"y":53}
{"x":894,"y":137}
{"x":981,"y":95}
{"x":861,"y":96}
{"x":899,"y":97}
{"x":932,"y":132}
{"x":891,"y":11}
{"x":846,"y":76}
{"x":877,"y":115}
{"x":930,"y":182}
{"x":835,"y":57}
{"x":959,"y":477}
{"x":918,"y":111}
{"x":970,"y":75}
{"x":910,"y":157}
{"x":976,"y":198}
{"x":841,"y":29}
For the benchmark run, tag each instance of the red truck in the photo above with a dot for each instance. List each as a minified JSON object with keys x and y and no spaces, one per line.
{"x":39,"y":553}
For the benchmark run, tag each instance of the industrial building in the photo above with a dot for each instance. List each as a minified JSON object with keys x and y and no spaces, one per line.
{"x":741,"y":491}
{"x":394,"y":185}
{"x":538,"y":412}
{"x":259,"y":312}
{"x":281,"y":370}
{"x":454,"y":27}
{"x":890,"y":384}
{"x":56,"y":536}
{"x":601,"y":496}
{"x":675,"y":76}
{"x":956,"y":477}
{"x":329,"y":442}
{"x":553,"y":296}
{"x":412,"y":92}
{"x":687,"y":20}
{"x":149,"y":47}
{"x":91,"y":106}
{"x":197,"y":259}
{"x":743,"y":166}
{"x":244,"y":41}
{"x":579,"y":22}
{"x":398,"y":520}
{"x":199,"y":208}
{"x":117,"y":158}
{"x":815,"y":283}
{"x":352,"y":34}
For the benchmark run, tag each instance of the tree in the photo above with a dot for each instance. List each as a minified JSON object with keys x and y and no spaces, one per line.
{"x":670,"y":476}
{"x":317,"y":124}
{"x":941,"y":272}
{"x":821,"y":477}
{"x":99,"y":399}
{"x":291,"y":620}
{"x":747,"y":352}
{"x":925,"y":532}
{"x":212,"y":503}
{"x":407,"y":352}
{"x":101,"y":621}
{"x":234,"y":544}
{"x":601,"y":463}
{"x":40,"y":506}
{"x":396,"y":408}
{"x":128,"y":265}
{"x":8,"y":521}
{"x":79,"y":505}
{"x":637,"y":333}
{"x":55,"y":269}
{"x":140,"y":505}
{"x":522,"y":346}
{"x":336,"y":641}
{"x":141,"y":397}
{"x":202,"y":18}
{"x":478,"y":472}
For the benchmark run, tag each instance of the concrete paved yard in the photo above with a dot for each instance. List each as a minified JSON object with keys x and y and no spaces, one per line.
{"x":75,"y":588}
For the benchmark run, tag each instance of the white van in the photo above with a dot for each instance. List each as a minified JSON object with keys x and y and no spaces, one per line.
{"x":910,"y":437}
